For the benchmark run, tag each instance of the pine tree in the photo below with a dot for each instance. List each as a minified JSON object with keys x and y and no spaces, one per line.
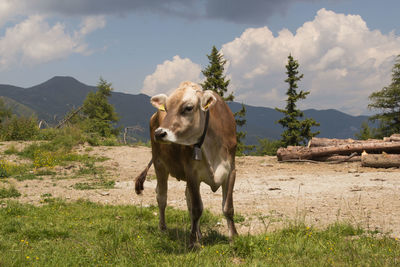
{"x":214,"y":73}
{"x":216,"y":81}
{"x":387,"y":101}
{"x":296,"y":132}
{"x":4,"y":111}
{"x":365,"y":132}
{"x":99,"y":114}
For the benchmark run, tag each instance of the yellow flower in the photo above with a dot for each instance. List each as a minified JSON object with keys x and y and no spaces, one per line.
{"x":27,"y":257}
{"x":266,"y":238}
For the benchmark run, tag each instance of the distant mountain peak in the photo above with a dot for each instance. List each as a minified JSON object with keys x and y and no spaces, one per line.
{"x":63,"y":79}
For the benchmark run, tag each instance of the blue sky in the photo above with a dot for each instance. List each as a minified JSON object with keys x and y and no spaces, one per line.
{"x":346,"y":49}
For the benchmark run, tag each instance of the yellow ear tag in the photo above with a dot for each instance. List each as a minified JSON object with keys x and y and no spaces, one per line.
{"x":207,"y":105}
{"x":161,"y":108}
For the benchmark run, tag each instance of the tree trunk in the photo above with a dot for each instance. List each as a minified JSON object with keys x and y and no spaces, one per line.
{"x":321,"y":142}
{"x":339,"y":158}
{"x":296,"y":152}
{"x":380,"y":160}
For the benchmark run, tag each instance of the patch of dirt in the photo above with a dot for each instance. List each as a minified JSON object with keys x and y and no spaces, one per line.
{"x":268,"y":194}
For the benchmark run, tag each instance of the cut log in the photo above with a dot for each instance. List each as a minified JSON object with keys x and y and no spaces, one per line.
{"x":318,"y":142}
{"x":298,"y":152}
{"x":321,"y":142}
{"x":380,"y":160}
{"x":395,"y":138}
{"x":339,"y":158}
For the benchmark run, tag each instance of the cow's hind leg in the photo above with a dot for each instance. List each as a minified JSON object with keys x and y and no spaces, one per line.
{"x":161,"y":190}
{"x":227,"y":203}
{"x":195,"y":206}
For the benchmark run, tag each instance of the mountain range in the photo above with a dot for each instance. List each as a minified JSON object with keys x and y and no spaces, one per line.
{"x":53,"y":99}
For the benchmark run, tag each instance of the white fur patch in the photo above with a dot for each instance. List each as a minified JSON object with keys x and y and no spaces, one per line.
{"x":170,"y":137}
{"x":221,"y":172}
{"x":190,"y":95}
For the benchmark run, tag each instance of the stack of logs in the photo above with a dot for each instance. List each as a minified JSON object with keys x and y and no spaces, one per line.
{"x":372,"y":153}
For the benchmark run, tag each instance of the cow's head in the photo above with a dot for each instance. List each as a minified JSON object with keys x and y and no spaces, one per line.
{"x":185,"y":109}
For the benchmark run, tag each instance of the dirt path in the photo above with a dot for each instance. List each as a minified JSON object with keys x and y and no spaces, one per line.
{"x":267,"y":194}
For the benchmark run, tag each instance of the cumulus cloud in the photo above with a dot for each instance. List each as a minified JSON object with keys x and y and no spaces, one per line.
{"x":343,"y":62}
{"x":170,"y":74}
{"x":34,"y":41}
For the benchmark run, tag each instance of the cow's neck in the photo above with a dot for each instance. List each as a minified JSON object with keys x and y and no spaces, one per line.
{"x":197,"y":146}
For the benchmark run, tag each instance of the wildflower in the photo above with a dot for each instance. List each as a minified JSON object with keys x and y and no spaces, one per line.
{"x":266,"y":238}
{"x":27,"y":257}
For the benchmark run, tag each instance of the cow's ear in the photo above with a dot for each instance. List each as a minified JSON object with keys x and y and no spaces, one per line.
{"x":158,"y":101}
{"x":207,"y":100}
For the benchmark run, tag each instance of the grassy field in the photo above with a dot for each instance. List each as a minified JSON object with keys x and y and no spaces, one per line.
{"x":88,"y":234}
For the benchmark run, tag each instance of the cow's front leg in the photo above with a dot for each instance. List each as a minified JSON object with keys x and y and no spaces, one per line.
{"x":195,"y":206}
{"x":227,"y":203}
{"x":161,"y":190}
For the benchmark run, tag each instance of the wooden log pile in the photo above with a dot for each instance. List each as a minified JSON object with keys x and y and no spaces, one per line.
{"x":372,"y":153}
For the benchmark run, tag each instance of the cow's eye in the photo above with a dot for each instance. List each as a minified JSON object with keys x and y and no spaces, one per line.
{"x":188,"y":109}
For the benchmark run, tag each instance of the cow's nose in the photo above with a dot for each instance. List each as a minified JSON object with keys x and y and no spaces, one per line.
{"x":160,"y":133}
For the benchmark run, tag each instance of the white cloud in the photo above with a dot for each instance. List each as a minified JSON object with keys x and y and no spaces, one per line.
{"x":91,"y":24}
{"x":343,"y":62}
{"x":170,"y":74}
{"x":34,"y":41}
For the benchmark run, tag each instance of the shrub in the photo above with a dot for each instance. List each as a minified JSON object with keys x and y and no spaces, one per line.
{"x":44,"y":159}
{"x":267,"y":147}
{"x":19,"y":128}
{"x":8,"y":169}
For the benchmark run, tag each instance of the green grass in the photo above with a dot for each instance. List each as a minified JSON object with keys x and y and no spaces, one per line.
{"x":87,"y":234}
{"x":10,"y":192}
{"x":102,"y":184}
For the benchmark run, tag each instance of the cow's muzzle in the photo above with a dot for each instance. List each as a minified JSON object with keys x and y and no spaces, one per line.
{"x":160,"y":134}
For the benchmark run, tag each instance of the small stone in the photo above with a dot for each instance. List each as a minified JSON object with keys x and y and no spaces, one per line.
{"x":266,"y":165}
{"x":274,"y":188}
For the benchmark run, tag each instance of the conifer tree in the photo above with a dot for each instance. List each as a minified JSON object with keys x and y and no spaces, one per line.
{"x":296,"y":132}
{"x":387,"y":101}
{"x":99,"y":114}
{"x":216,"y":81}
{"x":4,"y":111}
{"x":214,"y":73}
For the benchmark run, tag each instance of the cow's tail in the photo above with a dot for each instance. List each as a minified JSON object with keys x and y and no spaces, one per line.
{"x":139,"y":181}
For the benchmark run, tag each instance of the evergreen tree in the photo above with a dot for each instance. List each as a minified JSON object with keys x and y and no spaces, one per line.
{"x":296,"y":132}
{"x":216,"y":81}
{"x":99,"y":114}
{"x":365,"y":132}
{"x":214,"y":73}
{"x":387,"y":101}
{"x":4,"y":111}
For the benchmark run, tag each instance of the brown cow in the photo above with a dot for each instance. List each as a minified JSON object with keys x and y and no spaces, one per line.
{"x":193,"y":138}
